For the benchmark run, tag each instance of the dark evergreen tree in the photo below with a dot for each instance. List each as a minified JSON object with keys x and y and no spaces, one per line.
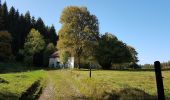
{"x":40,"y":26}
{"x":19,"y":26}
{"x":33,"y":22}
{"x":4,"y":15}
{"x":52,"y":35}
{"x":1,"y":19}
{"x":1,"y":23}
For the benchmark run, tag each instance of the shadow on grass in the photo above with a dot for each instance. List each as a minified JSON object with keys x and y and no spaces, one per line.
{"x":128,"y":94}
{"x":8,"y":96}
{"x":3,"y":81}
{"x":124,"y":94}
{"x":139,"y":69}
{"x":32,"y":93}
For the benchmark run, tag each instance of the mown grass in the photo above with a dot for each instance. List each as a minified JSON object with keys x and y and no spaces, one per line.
{"x":13,"y":85}
{"x":124,"y":85}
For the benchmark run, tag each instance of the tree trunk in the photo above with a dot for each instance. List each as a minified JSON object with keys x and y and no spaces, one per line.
{"x":78,"y":62}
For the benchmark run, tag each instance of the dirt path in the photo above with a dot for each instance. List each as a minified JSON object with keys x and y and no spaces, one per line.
{"x":49,"y":91}
{"x":59,"y":87}
{"x":70,"y":91}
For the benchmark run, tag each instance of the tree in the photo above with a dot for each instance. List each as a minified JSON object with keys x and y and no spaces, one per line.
{"x":133,"y":53}
{"x":5,"y":45}
{"x":111,"y":50}
{"x":19,"y":26}
{"x":33,"y":22}
{"x":34,"y":44}
{"x":64,"y":55}
{"x":1,"y":20}
{"x":1,"y":23}
{"x":134,"y":59}
{"x":4,"y":16}
{"x":49,"y":50}
{"x":79,"y":31}
{"x":52,"y":35}
{"x":27,"y":22}
{"x":12,"y":27}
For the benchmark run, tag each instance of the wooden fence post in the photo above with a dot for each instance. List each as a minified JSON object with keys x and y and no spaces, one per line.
{"x":90,"y":70}
{"x":159,"y":81}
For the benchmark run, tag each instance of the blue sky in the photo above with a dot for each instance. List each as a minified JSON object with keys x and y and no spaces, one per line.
{"x":143,"y":24}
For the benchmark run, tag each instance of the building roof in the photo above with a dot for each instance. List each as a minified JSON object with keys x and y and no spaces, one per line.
{"x":55,"y":55}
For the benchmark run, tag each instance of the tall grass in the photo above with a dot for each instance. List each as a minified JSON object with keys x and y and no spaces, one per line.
{"x":108,"y":84}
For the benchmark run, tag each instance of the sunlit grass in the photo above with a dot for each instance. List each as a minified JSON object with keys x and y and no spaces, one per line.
{"x":70,"y":82}
{"x":17,"y":83}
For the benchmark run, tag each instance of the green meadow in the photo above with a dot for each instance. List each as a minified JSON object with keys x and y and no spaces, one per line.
{"x":31,"y":83}
{"x":106,"y":84}
{"x":14,"y":86}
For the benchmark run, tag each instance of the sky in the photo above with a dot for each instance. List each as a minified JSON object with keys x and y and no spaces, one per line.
{"x":143,"y":24}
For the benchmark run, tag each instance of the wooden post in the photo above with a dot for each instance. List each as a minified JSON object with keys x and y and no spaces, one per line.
{"x":90,"y":70}
{"x":159,"y":81}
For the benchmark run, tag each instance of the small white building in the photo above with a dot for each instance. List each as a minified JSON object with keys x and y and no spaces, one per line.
{"x":54,"y":61}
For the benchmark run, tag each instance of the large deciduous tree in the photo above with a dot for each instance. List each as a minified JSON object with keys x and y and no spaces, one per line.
{"x":133,"y":54}
{"x":79,"y":32}
{"x":34,"y":44}
{"x":111,"y":50}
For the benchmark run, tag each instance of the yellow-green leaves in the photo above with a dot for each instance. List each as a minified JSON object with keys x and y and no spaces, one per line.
{"x":34,"y":42}
{"x":79,"y":31}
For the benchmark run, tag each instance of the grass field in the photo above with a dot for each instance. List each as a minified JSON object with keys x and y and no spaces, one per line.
{"x":14,"y":85}
{"x":76,"y":84}
{"x":124,"y":85}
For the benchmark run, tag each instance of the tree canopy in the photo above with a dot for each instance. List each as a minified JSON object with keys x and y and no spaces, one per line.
{"x":19,"y":25}
{"x":79,"y":36}
{"x":111,"y":50}
{"x":79,"y":31}
{"x":34,"y":44}
{"x":5,"y":45}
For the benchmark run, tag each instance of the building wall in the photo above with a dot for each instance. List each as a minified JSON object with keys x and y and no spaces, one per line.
{"x":53,"y":62}
{"x":71,"y":62}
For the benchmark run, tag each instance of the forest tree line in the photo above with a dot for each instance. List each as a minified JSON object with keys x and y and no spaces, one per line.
{"x":80,"y":37}
{"x":32,"y":42}
{"x":164,"y":65}
{"x":19,"y":25}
